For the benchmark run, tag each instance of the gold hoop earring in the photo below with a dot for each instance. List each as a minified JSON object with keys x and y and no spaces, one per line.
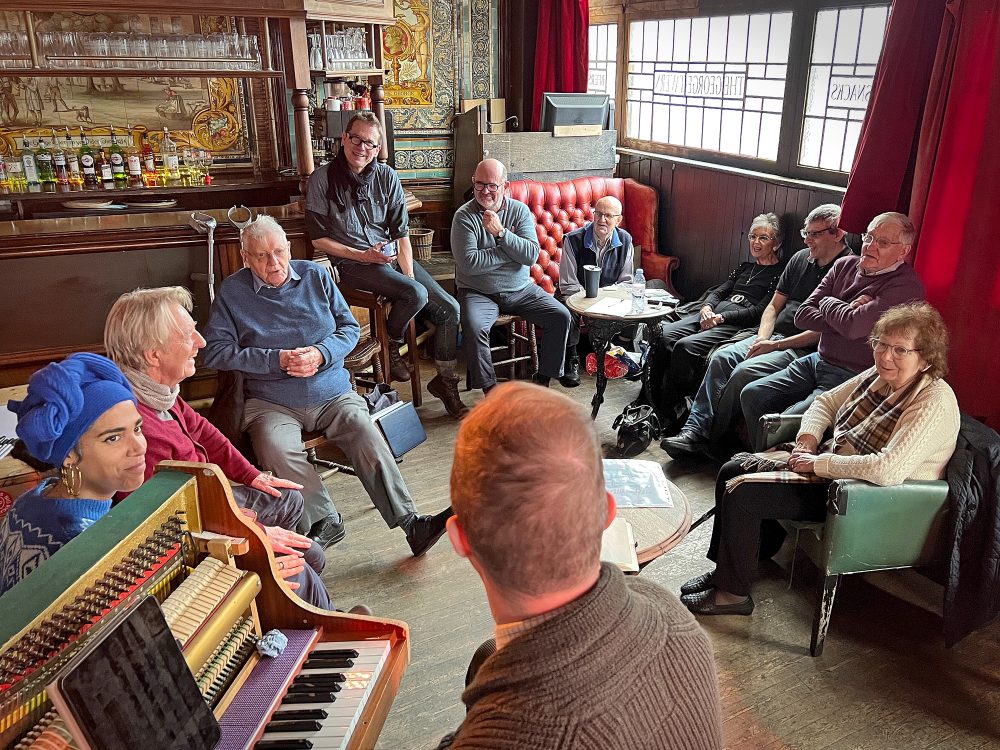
{"x":72,"y":479}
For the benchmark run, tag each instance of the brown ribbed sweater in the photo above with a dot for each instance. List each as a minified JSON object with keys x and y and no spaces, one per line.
{"x":624,"y":666}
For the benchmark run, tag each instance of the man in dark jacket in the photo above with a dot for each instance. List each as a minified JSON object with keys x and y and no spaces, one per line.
{"x":599,"y":243}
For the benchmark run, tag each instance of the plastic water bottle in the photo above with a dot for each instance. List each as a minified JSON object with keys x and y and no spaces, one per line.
{"x":638,"y":291}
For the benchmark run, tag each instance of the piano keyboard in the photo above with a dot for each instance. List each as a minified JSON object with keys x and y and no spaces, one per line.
{"x":323,"y":703}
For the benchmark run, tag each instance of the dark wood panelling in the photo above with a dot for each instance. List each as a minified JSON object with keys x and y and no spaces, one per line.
{"x":705,"y":212}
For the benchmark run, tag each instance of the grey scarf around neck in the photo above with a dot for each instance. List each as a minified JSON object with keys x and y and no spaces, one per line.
{"x":148,"y":391}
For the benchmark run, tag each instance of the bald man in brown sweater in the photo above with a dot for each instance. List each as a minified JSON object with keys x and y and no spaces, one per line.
{"x":585,"y":657}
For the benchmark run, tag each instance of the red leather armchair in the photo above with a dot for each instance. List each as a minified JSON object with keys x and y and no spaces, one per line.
{"x":561,"y":207}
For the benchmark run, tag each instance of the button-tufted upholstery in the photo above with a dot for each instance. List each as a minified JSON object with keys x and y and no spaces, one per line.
{"x":561,"y":207}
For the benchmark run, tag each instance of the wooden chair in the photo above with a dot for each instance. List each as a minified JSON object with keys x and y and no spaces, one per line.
{"x":378,"y":315}
{"x":521,"y":346}
{"x":867,"y":528}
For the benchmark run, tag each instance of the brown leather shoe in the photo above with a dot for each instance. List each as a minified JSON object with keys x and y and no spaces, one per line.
{"x":398,"y":369}
{"x":446,"y":389}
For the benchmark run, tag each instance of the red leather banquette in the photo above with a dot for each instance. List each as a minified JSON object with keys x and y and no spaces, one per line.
{"x":561,"y":207}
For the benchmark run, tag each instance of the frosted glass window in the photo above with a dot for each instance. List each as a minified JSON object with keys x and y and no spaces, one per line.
{"x":602,"y":66}
{"x":718,"y":75}
{"x":845,"y":48}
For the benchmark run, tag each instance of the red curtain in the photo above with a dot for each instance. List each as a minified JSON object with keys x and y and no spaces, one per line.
{"x":882,"y":174}
{"x":560,"y":51}
{"x":949,"y":182}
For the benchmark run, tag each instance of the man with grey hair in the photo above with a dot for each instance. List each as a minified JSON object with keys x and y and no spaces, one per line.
{"x":842,"y":310}
{"x":578,"y":643}
{"x":494,"y":243}
{"x":602,"y":243}
{"x":285,"y":326}
{"x":356,"y":214}
{"x":776,"y":345}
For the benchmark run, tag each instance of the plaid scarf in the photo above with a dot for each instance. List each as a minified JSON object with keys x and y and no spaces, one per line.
{"x":867,"y":419}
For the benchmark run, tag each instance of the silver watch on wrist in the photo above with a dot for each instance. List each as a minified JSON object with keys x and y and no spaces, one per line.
{"x":502,"y":234}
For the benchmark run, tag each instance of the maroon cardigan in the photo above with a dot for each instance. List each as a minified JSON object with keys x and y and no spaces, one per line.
{"x":191,"y":437}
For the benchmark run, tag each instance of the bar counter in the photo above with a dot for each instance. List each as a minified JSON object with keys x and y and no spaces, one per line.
{"x":248,"y":189}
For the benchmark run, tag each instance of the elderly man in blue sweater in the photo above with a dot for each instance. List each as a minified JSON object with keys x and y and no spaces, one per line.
{"x":286,"y":327}
{"x":494,"y":243}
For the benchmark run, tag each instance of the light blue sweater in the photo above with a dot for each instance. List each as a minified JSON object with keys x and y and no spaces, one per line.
{"x":247,"y":329}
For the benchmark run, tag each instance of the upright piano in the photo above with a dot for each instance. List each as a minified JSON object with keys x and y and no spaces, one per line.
{"x":182,"y":539}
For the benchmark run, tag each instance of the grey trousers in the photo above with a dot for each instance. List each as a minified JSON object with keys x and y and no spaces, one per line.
{"x":534,"y":304}
{"x":285,"y":512}
{"x":276,"y":433}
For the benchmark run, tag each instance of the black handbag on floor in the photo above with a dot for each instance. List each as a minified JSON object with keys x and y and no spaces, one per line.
{"x":637,"y":427}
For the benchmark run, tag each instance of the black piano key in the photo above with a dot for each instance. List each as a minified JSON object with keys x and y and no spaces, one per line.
{"x":313,"y":687}
{"x":314,"y":662}
{"x":284,"y":745}
{"x":319,"y":697}
{"x":292,"y":714}
{"x":318,"y":677}
{"x":335,"y":653}
{"x":302,"y":725}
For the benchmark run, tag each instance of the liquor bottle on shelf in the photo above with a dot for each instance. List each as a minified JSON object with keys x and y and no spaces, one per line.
{"x":105,"y":169}
{"x":205,"y":162}
{"x":59,"y":161}
{"x":43,"y":158}
{"x":72,"y":162}
{"x":29,"y":164}
{"x":148,"y":162}
{"x":87,"y":162}
{"x":133,"y":162}
{"x":117,"y":158}
{"x":4,"y":177}
{"x":171,"y":163}
{"x":15,"y":175}
{"x":190,"y":159}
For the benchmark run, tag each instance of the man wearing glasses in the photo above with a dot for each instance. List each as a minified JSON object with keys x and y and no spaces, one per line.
{"x":777,"y":344}
{"x":842,"y":310}
{"x":356,"y":214}
{"x":494,"y":243}
{"x":599,"y":243}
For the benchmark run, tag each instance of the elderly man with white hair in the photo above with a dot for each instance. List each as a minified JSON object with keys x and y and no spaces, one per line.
{"x":285,"y":326}
{"x":603,"y":243}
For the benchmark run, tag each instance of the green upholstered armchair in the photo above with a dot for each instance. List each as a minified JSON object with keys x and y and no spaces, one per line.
{"x":867,"y":527}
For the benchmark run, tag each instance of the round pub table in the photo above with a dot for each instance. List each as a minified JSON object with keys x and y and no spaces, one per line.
{"x":607,"y":315}
{"x":664,"y":520}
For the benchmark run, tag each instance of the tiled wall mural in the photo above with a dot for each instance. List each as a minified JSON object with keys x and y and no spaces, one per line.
{"x":460,"y":48}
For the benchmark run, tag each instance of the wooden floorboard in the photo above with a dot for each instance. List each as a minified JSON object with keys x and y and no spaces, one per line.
{"x":884,"y":682}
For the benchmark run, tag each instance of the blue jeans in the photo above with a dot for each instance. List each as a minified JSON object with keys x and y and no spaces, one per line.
{"x":717,"y":402}
{"x":789,"y":391}
{"x":421,"y":294}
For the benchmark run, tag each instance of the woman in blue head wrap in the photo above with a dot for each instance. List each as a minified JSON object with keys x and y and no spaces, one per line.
{"x":79,"y":416}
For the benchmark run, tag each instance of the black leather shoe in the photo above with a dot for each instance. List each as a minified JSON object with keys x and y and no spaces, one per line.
{"x":571,"y":374}
{"x":398,"y":368}
{"x":698,"y":584}
{"x":704,"y":604}
{"x":539,"y":379}
{"x":360,"y":609}
{"x":328,"y":531}
{"x":684,"y":444}
{"x":426,"y":530}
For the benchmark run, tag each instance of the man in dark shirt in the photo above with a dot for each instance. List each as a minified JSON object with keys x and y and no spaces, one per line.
{"x":356,"y":214}
{"x":778,"y":341}
{"x":676,"y":361}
